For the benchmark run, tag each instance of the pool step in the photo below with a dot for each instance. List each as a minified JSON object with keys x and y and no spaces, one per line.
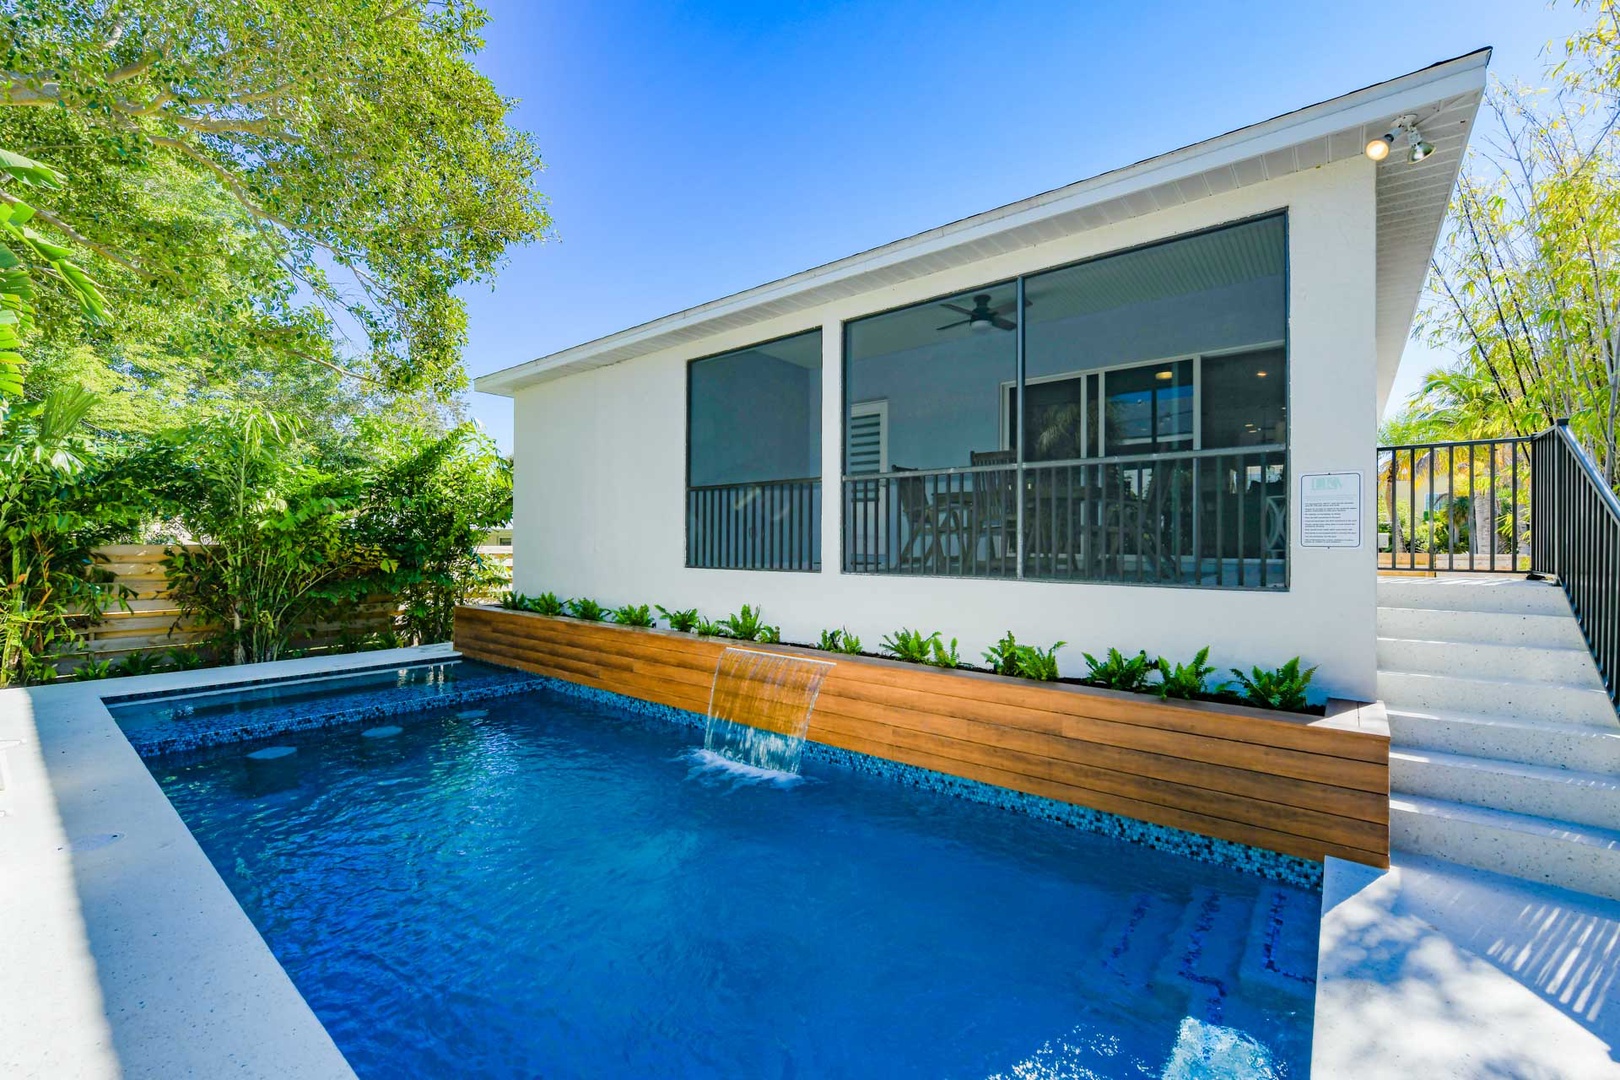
{"x":1580,"y":747}
{"x":1561,"y":853}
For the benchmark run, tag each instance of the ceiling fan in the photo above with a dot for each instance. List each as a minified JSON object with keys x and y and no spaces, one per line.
{"x":983,"y":316}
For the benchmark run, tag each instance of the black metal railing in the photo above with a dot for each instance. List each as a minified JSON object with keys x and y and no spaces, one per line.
{"x":1208,"y":517}
{"x":1455,"y":506}
{"x":1577,"y":540}
{"x":775,"y":525}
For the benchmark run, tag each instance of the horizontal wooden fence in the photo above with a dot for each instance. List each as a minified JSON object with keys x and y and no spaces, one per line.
{"x":149,"y":619}
{"x":1270,"y":780}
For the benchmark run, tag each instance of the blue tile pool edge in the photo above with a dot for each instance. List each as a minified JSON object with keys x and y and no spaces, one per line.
{"x":1271,"y":865}
{"x":181,"y":742}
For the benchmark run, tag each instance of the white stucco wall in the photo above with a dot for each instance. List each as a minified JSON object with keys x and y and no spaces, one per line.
{"x":600,"y":474}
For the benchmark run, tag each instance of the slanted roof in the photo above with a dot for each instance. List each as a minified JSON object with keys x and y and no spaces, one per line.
{"x":1412,"y":201}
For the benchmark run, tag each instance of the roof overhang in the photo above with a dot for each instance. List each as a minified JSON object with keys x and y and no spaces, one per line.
{"x":1412,"y":204}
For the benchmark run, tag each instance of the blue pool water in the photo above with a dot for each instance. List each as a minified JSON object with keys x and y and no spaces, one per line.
{"x":559,"y":888}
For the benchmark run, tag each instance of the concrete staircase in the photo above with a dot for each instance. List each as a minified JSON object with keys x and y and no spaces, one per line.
{"x":1504,"y":746}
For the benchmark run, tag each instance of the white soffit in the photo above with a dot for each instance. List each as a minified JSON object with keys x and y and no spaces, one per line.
{"x":1412,"y":201}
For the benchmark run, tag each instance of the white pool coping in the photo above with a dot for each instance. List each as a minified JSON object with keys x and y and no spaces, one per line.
{"x":1438,"y":971}
{"x":129,"y":957}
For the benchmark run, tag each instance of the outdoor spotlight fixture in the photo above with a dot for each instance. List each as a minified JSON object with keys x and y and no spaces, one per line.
{"x":1417,"y":148}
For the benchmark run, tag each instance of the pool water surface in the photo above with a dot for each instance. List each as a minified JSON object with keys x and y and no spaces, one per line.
{"x":547,"y":886}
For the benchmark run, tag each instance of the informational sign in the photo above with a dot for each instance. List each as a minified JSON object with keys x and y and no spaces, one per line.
{"x":1330,"y":510}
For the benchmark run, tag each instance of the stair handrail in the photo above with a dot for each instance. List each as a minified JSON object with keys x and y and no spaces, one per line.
{"x":1575,"y":538}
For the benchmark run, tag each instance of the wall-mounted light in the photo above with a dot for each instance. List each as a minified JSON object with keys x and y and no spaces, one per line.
{"x":1165,"y":376}
{"x":1260,"y":374}
{"x":1417,"y":148}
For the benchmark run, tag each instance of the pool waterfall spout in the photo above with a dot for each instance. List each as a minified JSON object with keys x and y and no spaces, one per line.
{"x":760,"y":705}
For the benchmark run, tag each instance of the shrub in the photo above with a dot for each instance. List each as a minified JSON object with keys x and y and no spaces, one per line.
{"x":747,"y":625}
{"x":1118,"y":671}
{"x":547,"y":603}
{"x":839,"y":641}
{"x":587,"y":610}
{"x":139,"y":663}
{"x":912,"y":647}
{"x":1003,"y":655}
{"x":633,"y":615}
{"x":709,"y":628}
{"x":1282,"y":689}
{"x":1034,"y":662}
{"x":93,"y":669}
{"x":514,"y":601}
{"x":187,"y":659}
{"x":1184,"y":680}
{"x":685,"y":620}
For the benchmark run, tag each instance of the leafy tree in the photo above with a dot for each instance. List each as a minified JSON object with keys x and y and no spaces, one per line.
{"x":56,"y":505}
{"x":1526,"y":283}
{"x":429,"y":502}
{"x":356,"y":138}
{"x":272,"y":531}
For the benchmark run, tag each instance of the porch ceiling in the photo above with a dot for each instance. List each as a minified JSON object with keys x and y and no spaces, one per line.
{"x":1412,"y":201}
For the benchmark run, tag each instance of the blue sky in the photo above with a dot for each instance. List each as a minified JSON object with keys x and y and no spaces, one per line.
{"x":695,"y":150}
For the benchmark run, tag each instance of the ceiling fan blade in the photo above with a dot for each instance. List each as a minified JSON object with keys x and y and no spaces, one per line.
{"x":1003,"y":324}
{"x":958,"y":322}
{"x":958,"y":310}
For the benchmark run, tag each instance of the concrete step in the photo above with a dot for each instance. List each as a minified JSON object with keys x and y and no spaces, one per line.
{"x":1570,"y":856}
{"x":1456,"y":592}
{"x":1568,"y":667}
{"x":1580,"y":747}
{"x":1497,"y":697}
{"x":1585,"y":798}
{"x":1487,"y":627}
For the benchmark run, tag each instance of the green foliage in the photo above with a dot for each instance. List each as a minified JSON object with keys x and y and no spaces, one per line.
{"x":1034,"y":662}
{"x":187,"y":659}
{"x":274,"y":531}
{"x":914,"y":648}
{"x":634,"y":615}
{"x":683,"y":619}
{"x":139,"y":663}
{"x":513,"y":601}
{"x":428,"y":503}
{"x":1118,"y":671}
{"x":1003,"y":655}
{"x":748,"y":625}
{"x":586,"y":609}
{"x":1189,"y":680}
{"x":706,"y":627}
{"x":1282,"y":688}
{"x":839,"y":641}
{"x":91,"y":670}
{"x":547,"y":603}
{"x":361,"y":144}
{"x":57,"y":504}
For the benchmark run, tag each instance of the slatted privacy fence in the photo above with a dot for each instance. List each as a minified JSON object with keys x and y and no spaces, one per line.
{"x":1269,"y":780}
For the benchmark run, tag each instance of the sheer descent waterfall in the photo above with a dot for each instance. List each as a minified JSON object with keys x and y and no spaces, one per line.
{"x":759,"y":708}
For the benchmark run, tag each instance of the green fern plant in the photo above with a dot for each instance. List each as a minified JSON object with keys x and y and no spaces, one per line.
{"x":514,"y":601}
{"x":1034,"y":662}
{"x":633,"y":615}
{"x":1118,"y":671}
{"x":839,"y":641}
{"x":915,"y":648}
{"x":1186,"y":681}
{"x":187,"y":659}
{"x":706,"y":627}
{"x":748,"y":625}
{"x":685,"y":620}
{"x":587,"y":610}
{"x":139,"y":663}
{"x":93,"y":669}
{"x":1283,"y":688}
{"x":547,"y":603}
{"x":1003,"y":655}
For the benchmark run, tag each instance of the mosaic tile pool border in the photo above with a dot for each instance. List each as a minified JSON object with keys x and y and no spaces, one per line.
{"x":1271,"y":865}
{"x":391,"y":702}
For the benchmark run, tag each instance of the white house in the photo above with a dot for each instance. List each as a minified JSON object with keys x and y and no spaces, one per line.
{"x":1100,"y":415}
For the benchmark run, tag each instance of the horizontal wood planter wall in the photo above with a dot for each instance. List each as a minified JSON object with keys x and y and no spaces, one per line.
{"x":1270,"y":780}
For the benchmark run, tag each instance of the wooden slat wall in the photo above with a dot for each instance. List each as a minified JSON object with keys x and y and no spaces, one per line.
{"x":149,"y":622}
{"x":1238,"y":774}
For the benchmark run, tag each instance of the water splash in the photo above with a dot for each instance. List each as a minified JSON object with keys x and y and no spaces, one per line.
{"x":759,"y":708}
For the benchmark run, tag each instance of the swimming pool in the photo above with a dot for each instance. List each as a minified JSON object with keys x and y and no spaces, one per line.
{"x":558,"y":887}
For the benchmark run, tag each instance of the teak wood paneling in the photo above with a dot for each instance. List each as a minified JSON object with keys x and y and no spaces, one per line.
{"x":1271,"y":780}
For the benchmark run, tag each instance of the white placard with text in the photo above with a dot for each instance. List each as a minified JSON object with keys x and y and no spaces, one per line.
{"x":1330,"y":510}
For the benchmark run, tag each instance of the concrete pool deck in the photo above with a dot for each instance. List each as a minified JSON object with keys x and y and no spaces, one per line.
{"x":1439,"y":971}
{"x":124,"y":954}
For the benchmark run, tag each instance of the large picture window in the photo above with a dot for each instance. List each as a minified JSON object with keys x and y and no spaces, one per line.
{"x":1121,"y":419}
{"x":753,"y":461}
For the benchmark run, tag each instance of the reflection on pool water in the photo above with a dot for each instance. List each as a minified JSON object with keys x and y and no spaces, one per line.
{"x":560,"y":888}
